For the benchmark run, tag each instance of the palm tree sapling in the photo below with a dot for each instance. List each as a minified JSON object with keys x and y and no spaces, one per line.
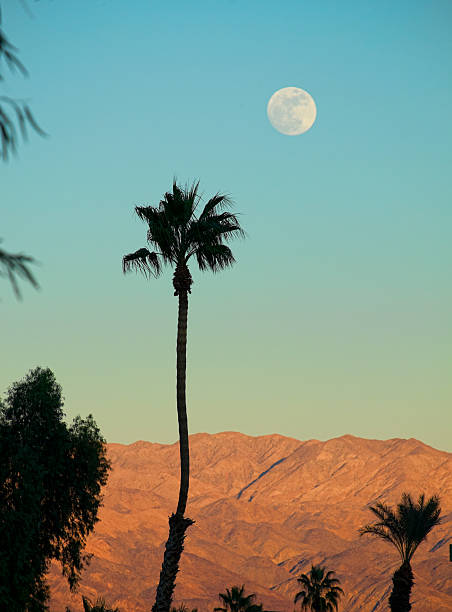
{"x":235,"y":600}
{"x":321,"y":592}
{"x":177,"y":234}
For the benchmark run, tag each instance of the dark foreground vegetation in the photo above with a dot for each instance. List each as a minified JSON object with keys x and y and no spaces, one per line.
{"x":51,"y":476}
{"x":405,"y":528}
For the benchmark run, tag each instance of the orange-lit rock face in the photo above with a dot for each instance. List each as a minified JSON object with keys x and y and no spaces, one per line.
{"x":265,"y":509}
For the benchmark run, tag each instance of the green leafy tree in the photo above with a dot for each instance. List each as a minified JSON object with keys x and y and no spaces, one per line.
{"x":177,"y":234}
{"x":405,"y":528}
{"x":321,"y":592}
{"x":50,"y":490}
{"x":235,"y":600}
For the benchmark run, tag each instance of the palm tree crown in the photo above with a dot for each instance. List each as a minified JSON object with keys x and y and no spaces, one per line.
{"x":408,"y":526}
{"x":235,"y":600}
{"x":99,"y":606}
{"x":321,"y":591}
{"x":177,"y":233}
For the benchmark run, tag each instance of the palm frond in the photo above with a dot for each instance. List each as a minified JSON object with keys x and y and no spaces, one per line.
{"x":214,"y":257}
{"x":161,"y":233}
{"x":142,"y":261}
{"x":300,"y":595}
{"x":418,"y":519}
{"x":16,"y":265}
{"x":177,"y":234}
{"x":383,"y":512}
{"x":11,"y":110}
{"x":8,"y":53}
{"x":215,"y":204}
{"x":225,"y":226}
{"x":322,"y":590}
{"x":180,"y":204}
{"x":383,"y":533}
{"x":332,"y":598}
{"x":408,"y":527}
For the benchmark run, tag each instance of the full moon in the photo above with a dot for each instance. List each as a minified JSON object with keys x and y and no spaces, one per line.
{"x":291,"y":111}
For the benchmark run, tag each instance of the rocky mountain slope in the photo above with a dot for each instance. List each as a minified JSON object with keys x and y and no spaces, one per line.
{"x":265,"y":509}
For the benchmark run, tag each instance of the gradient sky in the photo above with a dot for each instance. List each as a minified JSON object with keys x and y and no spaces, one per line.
{"x":336,"y":317}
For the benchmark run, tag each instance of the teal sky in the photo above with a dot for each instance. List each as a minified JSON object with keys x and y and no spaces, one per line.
{"x":336,"y":317}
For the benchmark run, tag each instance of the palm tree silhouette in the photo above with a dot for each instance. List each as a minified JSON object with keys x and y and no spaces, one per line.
{"x":183,"y":608}
{"x":235,"y":600}
{"x":99,"y":606}
{"x":405,"y":528}
{"x":177,"y":234}
{"x":321,"y":592}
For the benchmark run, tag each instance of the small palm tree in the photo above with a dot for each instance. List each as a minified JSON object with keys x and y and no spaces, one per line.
{"x":235,"y":600}
{"x":178,"y":234}
{"x":99,"y":606}
{"x":406,"y":528}
{"x":183,"y":608}
{"x":321,"y":592}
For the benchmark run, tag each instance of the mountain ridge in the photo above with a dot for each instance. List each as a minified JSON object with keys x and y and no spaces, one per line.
{"x":265,"y":507}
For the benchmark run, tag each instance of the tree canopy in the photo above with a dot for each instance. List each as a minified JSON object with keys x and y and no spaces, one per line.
{"x":321,"y":591}
{"x":235,"y":600}
{"x":406,"y":527}
{"x":177,"y":233}
{"x":51,"y":477}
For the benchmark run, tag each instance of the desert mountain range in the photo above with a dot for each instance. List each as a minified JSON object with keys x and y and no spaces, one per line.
{"x":265,"y":508}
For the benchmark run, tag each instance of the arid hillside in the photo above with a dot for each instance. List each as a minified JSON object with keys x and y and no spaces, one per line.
{"x":265,"y":509}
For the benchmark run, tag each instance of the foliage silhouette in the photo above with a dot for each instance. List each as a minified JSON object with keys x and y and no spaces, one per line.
{"x":16,"y":265}
{"x":235,"y":600}
{"x":183,"y":608}
{"x":406,"y":528}
{"x":15,"y":115}
{"x":14,"y":112}
{"x":321,"y":592}
{"x":177,"y":234}
{"x":50,"y":490}
{"x":99,"y":606}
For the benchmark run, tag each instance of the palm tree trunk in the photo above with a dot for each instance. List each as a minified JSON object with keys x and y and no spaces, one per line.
{"x":170,"y":566}
{"x":178,"y":524}
{"x":403,"y":581}
{"x":181,"y":366}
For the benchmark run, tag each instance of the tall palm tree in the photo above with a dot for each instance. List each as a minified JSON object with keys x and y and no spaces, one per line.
{"x":235,"y":600}
{"x":406,"y":528}
{"x":177,"y":234}
{"x":321,"y":592}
